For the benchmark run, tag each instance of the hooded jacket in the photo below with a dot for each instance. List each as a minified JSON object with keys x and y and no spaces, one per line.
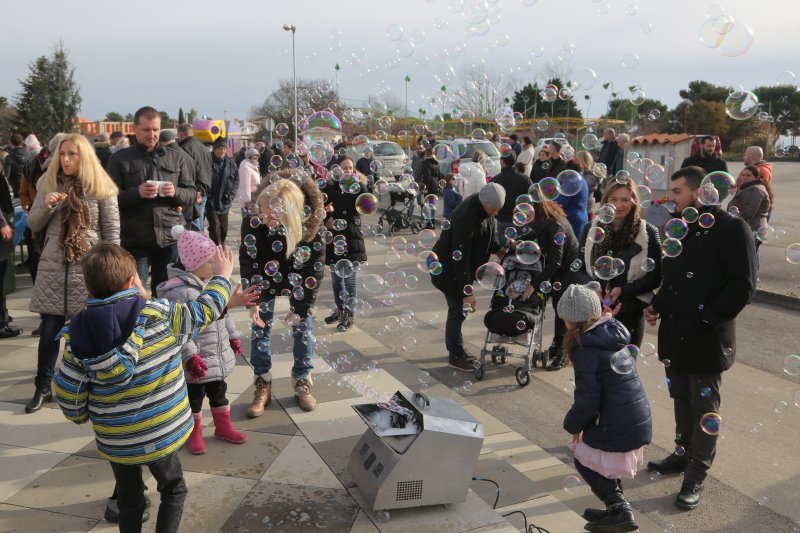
{"x":344,"y":208}
{"x":300,"y":274}
{"x":148,"y":222}
{"x":224,"y":185}
{"x":610,"y":408}
{"x":213,"y":343}
{"x":59,"y":288}
{"x":121,"y":370}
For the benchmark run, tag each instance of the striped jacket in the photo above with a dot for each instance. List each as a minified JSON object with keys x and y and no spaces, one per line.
{"x":134,"y":393}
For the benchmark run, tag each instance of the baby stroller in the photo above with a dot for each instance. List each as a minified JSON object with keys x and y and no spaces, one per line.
{"x":513,"y":321}
{"x":398,"y":219}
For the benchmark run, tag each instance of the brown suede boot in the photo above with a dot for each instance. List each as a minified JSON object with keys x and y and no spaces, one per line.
{"x":261,"y":397}
{"x":302,"y":391}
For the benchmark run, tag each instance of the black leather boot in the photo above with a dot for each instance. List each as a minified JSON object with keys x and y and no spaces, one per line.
{"x":672,"y":464}
{"x":40,"y":397}
{"x":618,"y":514}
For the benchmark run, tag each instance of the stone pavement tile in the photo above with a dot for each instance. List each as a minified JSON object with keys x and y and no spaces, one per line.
{"x":464,"y":516}
{"x":548,"y":513}
{"x":20,"y":466}
{"x":46,"y":429}
{"x":300,"y":464}
{"x":78,"y":486}
{"x":211,"y":501}
{"x":336,"y":454}
{"x":521,"y":453}
{"x":241,"y":378}
{"x":491,"y":426}
{"x":405,"y":372}
{"x":325,"y":389}
{"x":21,"y":519}
{"x":377,"y":379}
{"x":514,"y":486}
{"x":18,"y":359}
{"x":363,"y":524}
{"x":356,"y":338}
{"x":22,"y":391}
{"x":247,"y":460}
{"x":282,"y":366}
{"x":550,"y":480}
{"x":330,"y":420}
{"x":274,"y":419}
{"x":11,"y":378}
{"x":496,"y":528}
{"x":21,"y":341}
{"x":288,"y":508}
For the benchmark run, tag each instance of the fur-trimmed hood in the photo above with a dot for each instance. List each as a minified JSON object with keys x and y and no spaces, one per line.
{"x":311,"y":194}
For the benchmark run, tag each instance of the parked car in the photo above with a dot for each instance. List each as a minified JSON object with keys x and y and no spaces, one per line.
{"x":463,"y":150}
{"x":392,"y":157}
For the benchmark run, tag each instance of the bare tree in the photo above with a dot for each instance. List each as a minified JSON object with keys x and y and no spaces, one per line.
{"x":480,"y":91}
{"x":312,"y":95}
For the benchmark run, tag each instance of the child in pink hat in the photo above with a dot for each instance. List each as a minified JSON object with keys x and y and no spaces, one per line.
{"x":210,"y":356}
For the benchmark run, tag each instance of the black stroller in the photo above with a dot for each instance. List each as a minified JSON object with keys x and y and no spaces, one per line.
{"x":513,"y":321}
{"x":398,"y":219}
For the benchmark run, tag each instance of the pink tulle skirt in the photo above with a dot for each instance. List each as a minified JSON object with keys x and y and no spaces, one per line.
{"x":612,"y":465}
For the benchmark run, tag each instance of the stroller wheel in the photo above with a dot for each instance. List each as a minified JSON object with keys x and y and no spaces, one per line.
{"x":478,"y":371}
{"x":498,"y":359}
{"x":416,"y":226}
{"x":523,"y":377}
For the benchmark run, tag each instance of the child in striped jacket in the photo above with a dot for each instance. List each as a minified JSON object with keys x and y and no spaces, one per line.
{"x":122,"y":370}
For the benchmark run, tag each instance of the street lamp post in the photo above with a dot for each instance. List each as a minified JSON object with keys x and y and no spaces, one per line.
{"x":292,"y":28}
{"x":408,"y":146}
{"x":336,"y":73}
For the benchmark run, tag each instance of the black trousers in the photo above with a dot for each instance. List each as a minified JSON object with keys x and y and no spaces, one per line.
{"x":217,"y":226}
{"x":214,"y":390}
{"x":130,"y":490}
{"x":693,"y":396}
{"x":634,"y":321}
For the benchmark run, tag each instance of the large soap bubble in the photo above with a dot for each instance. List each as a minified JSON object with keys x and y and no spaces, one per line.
{"x":570,"y":182}
{"x":741,"y":105}
{"x":491,"y":276}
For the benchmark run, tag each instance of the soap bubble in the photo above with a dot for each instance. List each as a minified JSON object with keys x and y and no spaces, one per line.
{"x":425,"y":260}
{"x":786,"y":77}
{"x":478,"y":134}
{"x":559,"y":238}
{"x":426,"y":238}
{"x":410,"y":344}
{"x":604,"y":268}
{"x":549,"y":187}
{"x":741,"y":105}
{"x":708,"y":194}
{"x":571,"y":484}
{"x":570,"y":182}
{"x":655,"y":174}
{"x":690,"y":215}
{"x":596,"y":234}
{"x":510,"y":233}
{"x":706,"y":220}
{"x":711,"y":423}
{"x":793,"y":253}
{"x":366,"y":204}
{"x":442,"y":153}
{"x":705,"y":392}
{"x":679,"y":450}
{"x":528,"y":252}
{"x":457,"y":255}
{"x":599,"y":170}
{"x":672,"y":247}
{"x":676,"y":228}
{"x":523,"y":214}
{"x":372,"y":283}
{"x":546,"y":287}
{"x":490,"y":276}
{"x":791,"y":365}
{"x":622,"y":362}
{"x":655,"y":475}
{"x":630,"y":60}
{"x":723,"y":182}
{"x":394,"y":32}
{"x":781,"y":406}
{"x":606,"y":215}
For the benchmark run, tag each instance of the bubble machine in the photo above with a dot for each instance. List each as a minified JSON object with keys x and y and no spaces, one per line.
{"x":433,"y":466}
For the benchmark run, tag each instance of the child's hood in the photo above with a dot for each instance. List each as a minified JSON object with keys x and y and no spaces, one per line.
{"x":178,"y":278}
{"x":606,"y":334}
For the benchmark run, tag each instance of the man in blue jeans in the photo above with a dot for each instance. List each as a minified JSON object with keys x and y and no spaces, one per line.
{"x":461,"y":249}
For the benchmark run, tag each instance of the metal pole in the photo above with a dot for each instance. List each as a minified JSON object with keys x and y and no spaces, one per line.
{"x":294,"y":75}
{"x":408,"y":146}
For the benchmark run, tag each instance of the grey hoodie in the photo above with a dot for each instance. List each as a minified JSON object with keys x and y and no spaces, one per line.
{"x":213,"y":342}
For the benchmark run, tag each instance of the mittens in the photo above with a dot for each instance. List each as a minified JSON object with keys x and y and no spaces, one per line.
{"x":196,"y":367}
{"x":236,"y":345}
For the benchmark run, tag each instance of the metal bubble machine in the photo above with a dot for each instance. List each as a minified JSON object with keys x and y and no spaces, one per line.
{"x":429,"y":461}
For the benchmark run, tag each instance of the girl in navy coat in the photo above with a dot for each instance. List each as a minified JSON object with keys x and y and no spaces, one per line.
{"x":610,"y":419}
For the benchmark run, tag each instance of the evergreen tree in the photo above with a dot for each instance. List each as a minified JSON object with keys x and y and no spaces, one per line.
{"x":530,"y":97}
{"x":113,"y":116}
{"x":31,"y":102}
{"x":181,"y":117}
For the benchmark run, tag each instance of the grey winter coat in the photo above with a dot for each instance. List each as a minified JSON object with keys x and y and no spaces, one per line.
{"x":753,"y":204}
{"x":213,"y":342}
{"x":59,"y":288}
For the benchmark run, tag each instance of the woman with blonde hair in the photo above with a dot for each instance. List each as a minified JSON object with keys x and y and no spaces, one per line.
{"x":283,"y":253}
{"x":633,"y":240}
{"x":75,"y":207}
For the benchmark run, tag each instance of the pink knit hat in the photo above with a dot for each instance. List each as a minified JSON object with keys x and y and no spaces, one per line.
{"x":194,"y":249}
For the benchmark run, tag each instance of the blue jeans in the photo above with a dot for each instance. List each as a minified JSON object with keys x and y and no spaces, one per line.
{"x":48,"y":349}
{"x":155,"y":260}
{"x":130,"y":493}
{"x":198,"y":222}
{"x":343,"y":284}
{"x":453,"y":339}
{"x":261,"y":348}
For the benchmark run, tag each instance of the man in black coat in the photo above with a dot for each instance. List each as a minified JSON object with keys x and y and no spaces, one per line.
{"x":706,"y":157}
{"x":609,"y":148}
{"x":202,"y":172}
{"x":167,"y":140}
{"x":16,"y":163}
{"x":471,"y":239}
{"x":619,"y":157}
{"x":704,"y":288}
{"x":224,"y":184}
{"x":154,"y":189}
{"x":514,"y":184}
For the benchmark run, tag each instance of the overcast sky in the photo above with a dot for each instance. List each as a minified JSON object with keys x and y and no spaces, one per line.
{"x":216,"y":56}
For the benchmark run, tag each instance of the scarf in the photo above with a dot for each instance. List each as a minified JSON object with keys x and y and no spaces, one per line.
{"x":617,"y":240}
{"x":76,"y":220}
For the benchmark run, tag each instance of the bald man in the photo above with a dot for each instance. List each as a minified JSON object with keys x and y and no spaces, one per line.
{"x":754,"y":155}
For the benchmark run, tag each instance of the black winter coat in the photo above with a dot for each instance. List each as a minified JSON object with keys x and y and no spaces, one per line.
{"x":703,"y":290}
{"x":514,"y":184}
{"x":610,"y":408}
{"x":538,"y":172}
{"x":202,"y":161}
{"x":224,"y":184}
{"x":148,"y":222}
{"x":344,"y":207}
{"x":429,"y":176}
{"x":557,"y":258}
{"x":472,"y":232}
{"x":608,"y":153}
{"x":294,"y":273}
{"x":708,"y":164}
{"x":188,"y":211}
{"x":16,"y":165}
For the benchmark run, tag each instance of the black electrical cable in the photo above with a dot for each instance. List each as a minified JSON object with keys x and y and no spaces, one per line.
{"x":529,"y":528}
{"x":497,"y":497}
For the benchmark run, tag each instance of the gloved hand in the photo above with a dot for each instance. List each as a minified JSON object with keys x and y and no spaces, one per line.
{"x":196,"y":367}
{"x":236,"y":345}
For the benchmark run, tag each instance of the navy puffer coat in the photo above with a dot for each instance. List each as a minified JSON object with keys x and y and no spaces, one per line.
{"x":610,"y":408}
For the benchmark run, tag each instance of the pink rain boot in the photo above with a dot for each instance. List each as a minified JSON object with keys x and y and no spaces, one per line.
{"x":195,"y":443}
{"x":224,"y":429}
